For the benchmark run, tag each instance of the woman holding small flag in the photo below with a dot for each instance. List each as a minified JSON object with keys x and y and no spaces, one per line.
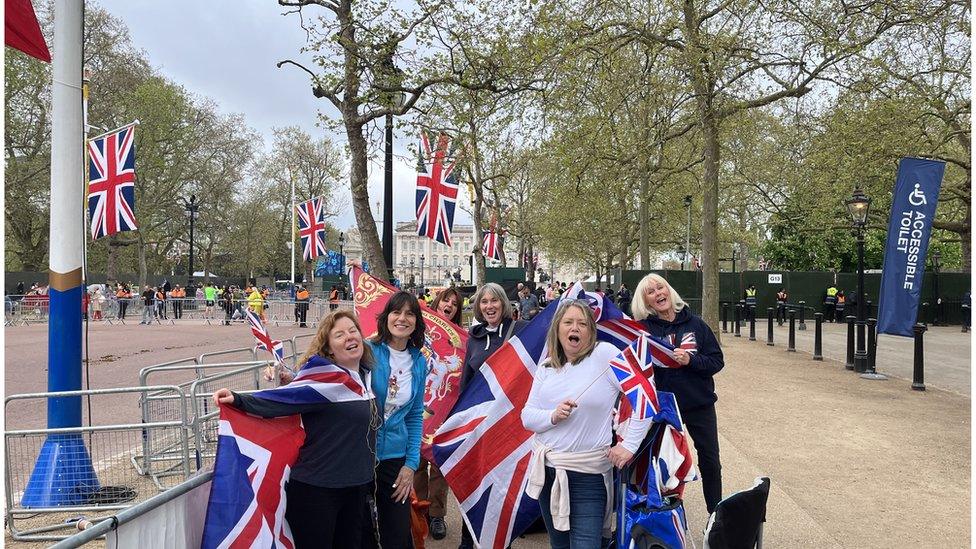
{"x":570,"y":410}
{"x":333,"y":475}
{"x":398,"y":381}
{"x":698,"y":357}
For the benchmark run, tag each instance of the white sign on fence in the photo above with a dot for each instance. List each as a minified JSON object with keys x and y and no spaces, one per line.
{"x":776,"y":279}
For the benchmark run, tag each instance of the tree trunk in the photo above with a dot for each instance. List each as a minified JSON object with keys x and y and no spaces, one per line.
{"x":142,"y":261}
{"x":372,"y":248}
{"x":112,"y":261}
{"x":709,"y":251}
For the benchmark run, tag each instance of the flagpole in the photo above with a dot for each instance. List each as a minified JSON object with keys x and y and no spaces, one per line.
{"x":291,"y":236}
{"x":63,"y":472}
{"x":87,"y":182}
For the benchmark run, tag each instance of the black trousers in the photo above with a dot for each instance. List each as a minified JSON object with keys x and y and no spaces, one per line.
{"x":325,"y":517}
{"x":123,"y":305}
{"x":177,"y":309}
{"x":301,"y":313}
{"x":393,"y":517}
{"x":703,"y":427}
{"x":780,"y":313}
{"x":828,"y":312}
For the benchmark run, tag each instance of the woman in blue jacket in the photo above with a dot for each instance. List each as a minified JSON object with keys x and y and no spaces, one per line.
{"x":399,"y":374}
{"x":663,"y":313}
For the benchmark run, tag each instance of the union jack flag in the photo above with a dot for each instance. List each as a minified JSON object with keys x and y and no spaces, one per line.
{"x":311,"y":228}
{"x":111,"y":183}
{"x":263,"y":338}
{"x":437,"y":189}
{"x":255,"y":456}
{"x":633,"y":367}
{"x":491,"y":246}
{"x":482,"y":448}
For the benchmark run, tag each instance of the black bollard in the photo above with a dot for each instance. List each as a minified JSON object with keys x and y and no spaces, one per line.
{"x":818,"y":336}
{"x":850,"y":343}
{"x":923,"y":316}
{"x":752,"y":322}
{"x":872,"y":343}
{"x":725,"y":317}
{"x":738,"y":317}
{"x":868,"y":312}
{"x":803,"y":314}
{"x":792,"y":344}
{"x":769,"y":326}
{"x":918,"y":377}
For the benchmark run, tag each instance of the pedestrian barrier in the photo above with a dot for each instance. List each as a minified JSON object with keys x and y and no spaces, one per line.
{"x":206,"y":415}
{"x":791,"y":345}
{"x":849,"y":365}
{"x":769,"y":326}
{"x":752,"y":323}
{"x":90,"y":530}
{"x":160,"y":456}
{"x":114,"y":485}
{"x":818,"y":336}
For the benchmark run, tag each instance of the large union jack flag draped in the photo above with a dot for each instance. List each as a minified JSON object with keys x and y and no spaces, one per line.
{"x":311,"y":228}
{"x":111,"y":183}
{"x":482,"y":448}
{"x":437,"y":189}
{"x":255,"y":456}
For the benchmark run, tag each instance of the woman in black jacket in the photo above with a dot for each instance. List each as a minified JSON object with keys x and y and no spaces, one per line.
{"x":493,"y":311}
{"x":661,"y":310}
{"x":333,"y":475}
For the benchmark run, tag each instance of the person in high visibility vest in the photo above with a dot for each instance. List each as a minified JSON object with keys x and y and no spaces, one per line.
{"x":751,"y":294}
{"x":781,"y":299}
{"x":830,"y":301}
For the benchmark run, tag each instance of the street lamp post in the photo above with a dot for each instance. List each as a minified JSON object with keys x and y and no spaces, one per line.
{"x":412,"y":283}
{"x":421,"y":271}
{"x":688,"y":234}
{"x":191,"y":211}
{"x":936,"y":297}
{"x":858,"y":206}
{"x":396,"y":100}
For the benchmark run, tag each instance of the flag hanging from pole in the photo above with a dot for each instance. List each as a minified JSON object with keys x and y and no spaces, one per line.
{"x":491,"y":246}
{"x":21,"y":31}
{"x":111,"y":185}
{"x":437,"y":189}
{"x":311,"y":228}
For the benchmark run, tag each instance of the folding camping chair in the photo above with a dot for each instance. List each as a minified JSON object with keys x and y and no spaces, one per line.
{"x":737,"y":522}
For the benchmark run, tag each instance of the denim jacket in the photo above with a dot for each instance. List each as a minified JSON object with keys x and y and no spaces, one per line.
{"x":399,"y":436}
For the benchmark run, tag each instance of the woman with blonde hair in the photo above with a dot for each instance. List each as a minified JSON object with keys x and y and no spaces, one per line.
{"x":696,"y":350}
{"x":334,"y":472}
{"x":570,"y":409}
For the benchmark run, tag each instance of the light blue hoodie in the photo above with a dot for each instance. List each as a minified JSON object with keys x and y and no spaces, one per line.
{"x":399,"y":436}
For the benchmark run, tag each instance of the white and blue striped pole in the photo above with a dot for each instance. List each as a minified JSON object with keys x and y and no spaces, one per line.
{"x":63,"y":473}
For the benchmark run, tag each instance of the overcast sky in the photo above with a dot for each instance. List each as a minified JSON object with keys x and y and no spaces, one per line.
{"x":227,"y":50}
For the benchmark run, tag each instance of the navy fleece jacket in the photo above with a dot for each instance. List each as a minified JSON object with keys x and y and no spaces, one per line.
{"x":692,"y":385}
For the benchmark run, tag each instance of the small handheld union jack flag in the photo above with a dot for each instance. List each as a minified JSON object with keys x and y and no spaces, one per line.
{"x":311,"y":228}
{"x":111,"y":182}
{"x":261,"y":334}
{"x":437,"y":189}
{"x":634,"y":367}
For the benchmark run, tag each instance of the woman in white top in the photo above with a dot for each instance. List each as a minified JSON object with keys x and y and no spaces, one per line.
{"x":570,"y":409}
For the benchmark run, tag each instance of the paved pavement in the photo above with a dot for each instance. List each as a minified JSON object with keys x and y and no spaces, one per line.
{"x":947,"y":352}
{"x":853,"y":463}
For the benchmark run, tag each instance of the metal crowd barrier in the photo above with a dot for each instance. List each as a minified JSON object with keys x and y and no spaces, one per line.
{"x":115,"y":486}
{"x":107,"y":524}
{"x":160,"y":457}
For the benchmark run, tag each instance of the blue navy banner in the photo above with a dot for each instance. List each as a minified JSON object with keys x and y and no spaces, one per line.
{"x":912,"y":210}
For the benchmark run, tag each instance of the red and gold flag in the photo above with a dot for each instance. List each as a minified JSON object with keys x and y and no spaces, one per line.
{"x":444,"y":350}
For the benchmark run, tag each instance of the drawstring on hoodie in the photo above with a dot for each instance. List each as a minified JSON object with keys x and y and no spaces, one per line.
{"x":488,"y":331}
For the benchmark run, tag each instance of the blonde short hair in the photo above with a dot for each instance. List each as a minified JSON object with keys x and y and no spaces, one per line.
{"x":639,"y":309}
{"x":497,"y":291}
{"x":557,"y":356}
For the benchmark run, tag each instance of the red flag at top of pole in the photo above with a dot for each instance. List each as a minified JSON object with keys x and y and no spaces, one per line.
{"x":21,"y":30}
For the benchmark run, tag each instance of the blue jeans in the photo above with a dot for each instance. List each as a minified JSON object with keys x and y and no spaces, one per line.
{"x":587,"y":501}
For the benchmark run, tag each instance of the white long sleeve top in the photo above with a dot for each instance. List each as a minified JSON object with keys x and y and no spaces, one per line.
{"x":588,"y":427}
